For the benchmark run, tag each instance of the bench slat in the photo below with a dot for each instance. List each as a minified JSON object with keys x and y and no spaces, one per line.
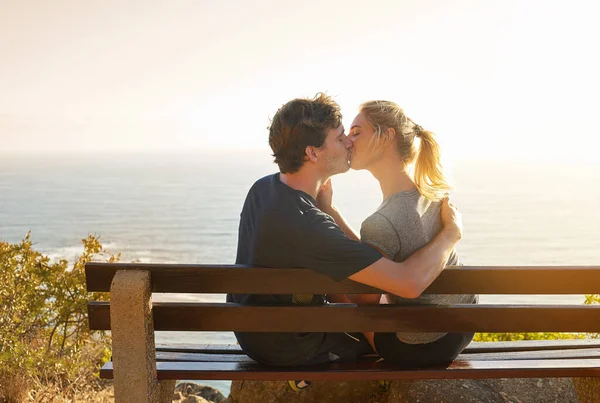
{"x":585,"y":353}
{"x":175,"y":316}
{"x":180,"y":356}
{"x":530,"y":345}
{"x":200,"y":348}
{"x":472,"y":348}
{"x":182,"y":278}
{"x":183,"y":356}
{"x":374,"y":371}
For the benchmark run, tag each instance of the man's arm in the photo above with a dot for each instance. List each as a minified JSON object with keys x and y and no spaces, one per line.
{"x":349,"y":232}
{"x":339,"y":220}
{"x":367,"y":299}
{"x":410,"y":278}
{"x":324,"y":203}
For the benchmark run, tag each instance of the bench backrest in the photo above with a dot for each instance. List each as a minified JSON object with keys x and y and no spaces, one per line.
{"x":179,"y":278}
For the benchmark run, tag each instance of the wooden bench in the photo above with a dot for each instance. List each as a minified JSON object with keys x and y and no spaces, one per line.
{"x":144,"y":373}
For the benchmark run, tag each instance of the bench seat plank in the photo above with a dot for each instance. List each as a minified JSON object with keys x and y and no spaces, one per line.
{"x":473,"y":347}
{"x":514,"y":355}
{"x":520,"y":355}
{"x":535,"y":355}
{"x":177,"y":316}
{"x":201,"y":348}
{"x":200,"y":357}
{"x":530,"y":345}
{"x":467,"y":369}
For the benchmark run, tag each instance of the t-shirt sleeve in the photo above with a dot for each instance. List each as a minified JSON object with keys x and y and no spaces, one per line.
{"x":323,"y":246}
{"x":376,"y":230}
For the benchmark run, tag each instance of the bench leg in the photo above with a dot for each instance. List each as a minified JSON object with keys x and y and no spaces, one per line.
{"x":132,"y":330}
{"x":167,"y":390}
{"x":588,"y":389}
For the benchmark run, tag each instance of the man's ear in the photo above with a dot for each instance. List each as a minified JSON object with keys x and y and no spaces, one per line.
{"x":311,"y":153}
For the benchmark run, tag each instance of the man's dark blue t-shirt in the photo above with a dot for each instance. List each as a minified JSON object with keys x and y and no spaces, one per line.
{"x":282,"y":227}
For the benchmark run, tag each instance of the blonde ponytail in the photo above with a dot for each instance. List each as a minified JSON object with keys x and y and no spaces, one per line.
{"x":429,"y":175}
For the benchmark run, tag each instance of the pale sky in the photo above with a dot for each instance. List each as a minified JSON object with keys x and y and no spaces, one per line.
{"x":510,"y":78}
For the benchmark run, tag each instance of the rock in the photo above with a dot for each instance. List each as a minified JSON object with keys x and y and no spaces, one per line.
{"x":319,"y":391}
{"x":588,"y":389}
{"x":195,"y":399}
{"x":483,"y":391}
{"x":447,"y":391}
{"x":546,"y":390}
{"x":208,"y":394}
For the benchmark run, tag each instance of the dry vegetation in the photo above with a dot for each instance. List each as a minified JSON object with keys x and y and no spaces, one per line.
{"x":47,"y":352}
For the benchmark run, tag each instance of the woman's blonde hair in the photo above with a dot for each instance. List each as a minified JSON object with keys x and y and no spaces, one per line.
{"x":428,"y":173}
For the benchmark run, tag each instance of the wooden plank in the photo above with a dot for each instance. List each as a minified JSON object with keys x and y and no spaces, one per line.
{"x":374,"y":371}
{"x":473,"y":348}
{"x":201,"y":348}
{"x":514,"y":355}
{"x":530,"y":345}
{"x":185,"y":278}
{"x":534,"y":355}
{"x":176,"y":356}
{"x":99,"y":315}
{"x":173,"y":316}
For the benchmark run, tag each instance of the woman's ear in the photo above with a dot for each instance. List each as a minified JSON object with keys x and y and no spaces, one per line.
{"x":388,"y":137}
{"x":311,"y":153}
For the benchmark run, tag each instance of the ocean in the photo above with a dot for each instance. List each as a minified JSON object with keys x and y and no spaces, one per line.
{"x":184,"y":208}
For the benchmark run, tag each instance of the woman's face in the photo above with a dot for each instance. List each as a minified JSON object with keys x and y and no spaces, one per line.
{"x":364,"y":144}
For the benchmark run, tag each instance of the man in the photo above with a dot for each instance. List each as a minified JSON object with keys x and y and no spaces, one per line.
{"x":288,"y":221}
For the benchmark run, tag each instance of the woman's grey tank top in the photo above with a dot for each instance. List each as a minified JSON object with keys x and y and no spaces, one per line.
{"x":404,"y":223}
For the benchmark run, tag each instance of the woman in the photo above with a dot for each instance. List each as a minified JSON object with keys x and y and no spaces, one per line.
{"x":384,"y":143}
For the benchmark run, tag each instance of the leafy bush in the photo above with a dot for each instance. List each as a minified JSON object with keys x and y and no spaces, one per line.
{"x":526,"y":336}
{"x":592,"y":299}
{"x":44,"y":334}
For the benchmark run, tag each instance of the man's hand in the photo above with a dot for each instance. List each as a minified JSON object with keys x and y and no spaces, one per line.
{"x":325,"y":204}
{"x":325,"y":197}
{"x":451,"y":219}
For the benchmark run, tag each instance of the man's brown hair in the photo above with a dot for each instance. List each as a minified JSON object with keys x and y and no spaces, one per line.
{"x":298,"y":124}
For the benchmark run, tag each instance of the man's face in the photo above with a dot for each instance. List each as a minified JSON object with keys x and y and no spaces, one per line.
{"x":336,"y":151}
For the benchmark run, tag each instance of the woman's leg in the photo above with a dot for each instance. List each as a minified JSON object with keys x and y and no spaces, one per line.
{"x":442,"y":351}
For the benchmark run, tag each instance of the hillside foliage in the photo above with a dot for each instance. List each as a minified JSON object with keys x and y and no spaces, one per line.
{"x":44,"y":334}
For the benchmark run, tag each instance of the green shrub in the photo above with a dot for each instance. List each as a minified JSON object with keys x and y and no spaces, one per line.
{"x":44,"y":334}
{"x":592,"y":299}
{"x":526,"y":336}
